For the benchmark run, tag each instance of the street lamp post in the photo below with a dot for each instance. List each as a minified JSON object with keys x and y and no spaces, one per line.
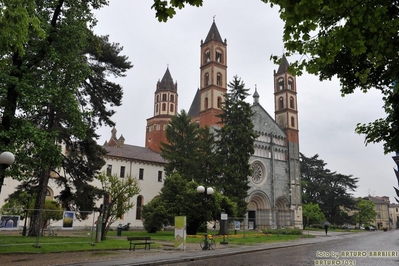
{"x":26,"y":214}
{"x":6,"y":159}
{"x":207,"y":191}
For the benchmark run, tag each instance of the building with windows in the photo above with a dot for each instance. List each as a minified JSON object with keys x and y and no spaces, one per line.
{"x":383,"y":217}
{"x":139,"y":162}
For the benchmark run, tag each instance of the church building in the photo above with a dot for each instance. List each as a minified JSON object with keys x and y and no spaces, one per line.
{"x":275,"y":195}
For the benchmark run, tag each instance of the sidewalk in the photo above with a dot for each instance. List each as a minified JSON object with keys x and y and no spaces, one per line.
{"x":176,"y":256}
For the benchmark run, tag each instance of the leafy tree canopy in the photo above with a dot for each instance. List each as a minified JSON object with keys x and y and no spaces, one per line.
{"x":366,"y":211}
{"x":312,"y":214}
{"x":54,"y":90}
{"x":167,"y":9}
{"x":330,"y":190}
{"x":354,"y":41}
{"x":179,"y":197}
{"x":119,"y":192}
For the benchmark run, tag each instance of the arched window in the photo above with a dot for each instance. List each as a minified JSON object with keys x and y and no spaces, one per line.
{"x":49,"y":193}
{"x":171,"y":108}
{"x":292,"y":121}
{"x":219,"y":79}
{"x":290,"y":84}
{"x":139,"y":205}
{"x":207,"y":56}
{"x":158,"y":98}
{"x":219,"y":102}
{"x":292,"y":102}
{"x":164,"y":96}
{"x":172,"y":98}
{"x":280,"y":103}
{"x":206,"y":79}
{"x":164,"y":107}
{"x":218,"y":56}
{"x":280,"y":84}
{"x":156,"y":108}
{"x":206,"y":103}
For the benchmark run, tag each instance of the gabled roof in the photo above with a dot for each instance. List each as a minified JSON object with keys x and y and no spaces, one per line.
{"x":194,"y":110}
{"x":264,"y":122}
{"x":213,"y":34}
{"x":283,"y":66}
{"x":135,"y":153}
{"x":166,"y":84}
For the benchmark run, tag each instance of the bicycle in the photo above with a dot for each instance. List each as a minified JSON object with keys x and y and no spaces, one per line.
{"x":208,"y":242}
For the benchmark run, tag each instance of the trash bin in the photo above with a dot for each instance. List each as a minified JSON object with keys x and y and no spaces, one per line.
{"x":119,"y":231}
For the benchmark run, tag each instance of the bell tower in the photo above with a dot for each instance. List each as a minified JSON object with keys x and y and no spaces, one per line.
{"x":286,"y":115}
{"x":285,"y":101}
{"x":213,"y":77}
{"x":165,"y":106}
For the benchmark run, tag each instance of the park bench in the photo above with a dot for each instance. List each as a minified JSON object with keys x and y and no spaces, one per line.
{"x":144,"y":240}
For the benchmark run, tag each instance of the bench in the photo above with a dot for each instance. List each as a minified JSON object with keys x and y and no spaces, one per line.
{"x":144,"y":241}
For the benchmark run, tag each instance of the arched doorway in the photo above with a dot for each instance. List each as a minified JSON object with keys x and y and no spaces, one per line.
{"x":283,"y":214}
{"x":259,"y":212}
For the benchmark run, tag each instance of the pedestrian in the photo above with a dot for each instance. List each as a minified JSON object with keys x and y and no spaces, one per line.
{"x":326,"y":225}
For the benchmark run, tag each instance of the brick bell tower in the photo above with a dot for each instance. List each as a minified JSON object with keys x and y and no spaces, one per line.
{"x":286,"y":115}
{"x":285,"y":101}
{"x":165,"y":106}
{"x":213,"y":77}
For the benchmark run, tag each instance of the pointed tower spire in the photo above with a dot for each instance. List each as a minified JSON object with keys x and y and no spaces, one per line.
{"x":256,"y":96}
{"x":165,"y":106}
{"x":213,"y":34}
{"x":166,"y":84}
{"x":283,"y":66}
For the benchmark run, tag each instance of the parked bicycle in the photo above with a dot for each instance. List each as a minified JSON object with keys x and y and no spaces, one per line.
{"x":208,"y":242}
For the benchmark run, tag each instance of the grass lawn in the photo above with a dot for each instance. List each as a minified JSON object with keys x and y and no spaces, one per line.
{"x":84,"y":241}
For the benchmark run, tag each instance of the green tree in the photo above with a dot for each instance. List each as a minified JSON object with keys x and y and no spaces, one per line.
{"x":119,"y":192}
{"x":52,"y":212}
{"x":366,"y":211}
{"x":235,"y":145}
{"x":312,"y":214}
{"x":354,"y":41}
{"x":330,"y":190}
{"x":54,"y":90}
{"x":155,"y":215}
{"x":16,"y":204}
{"x":167,"y":9}
{"x":182,"y":149}
{"x":179,"y":197}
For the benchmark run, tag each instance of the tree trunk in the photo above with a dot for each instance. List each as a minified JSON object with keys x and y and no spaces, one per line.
{"x":36,"y":219}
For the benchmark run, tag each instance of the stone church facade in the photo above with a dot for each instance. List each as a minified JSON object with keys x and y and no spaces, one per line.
{"x":275,"y":195}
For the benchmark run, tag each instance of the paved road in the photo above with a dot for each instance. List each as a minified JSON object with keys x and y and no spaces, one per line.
{"x":346,"y":249}
{"x":368,"y":249}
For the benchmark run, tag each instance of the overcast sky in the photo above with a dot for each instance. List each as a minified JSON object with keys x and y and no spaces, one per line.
{"x":254,"y":32}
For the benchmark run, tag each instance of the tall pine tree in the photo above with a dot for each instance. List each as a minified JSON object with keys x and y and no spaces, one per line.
{"x":235,"y":145}
{"x":182,"y":149}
